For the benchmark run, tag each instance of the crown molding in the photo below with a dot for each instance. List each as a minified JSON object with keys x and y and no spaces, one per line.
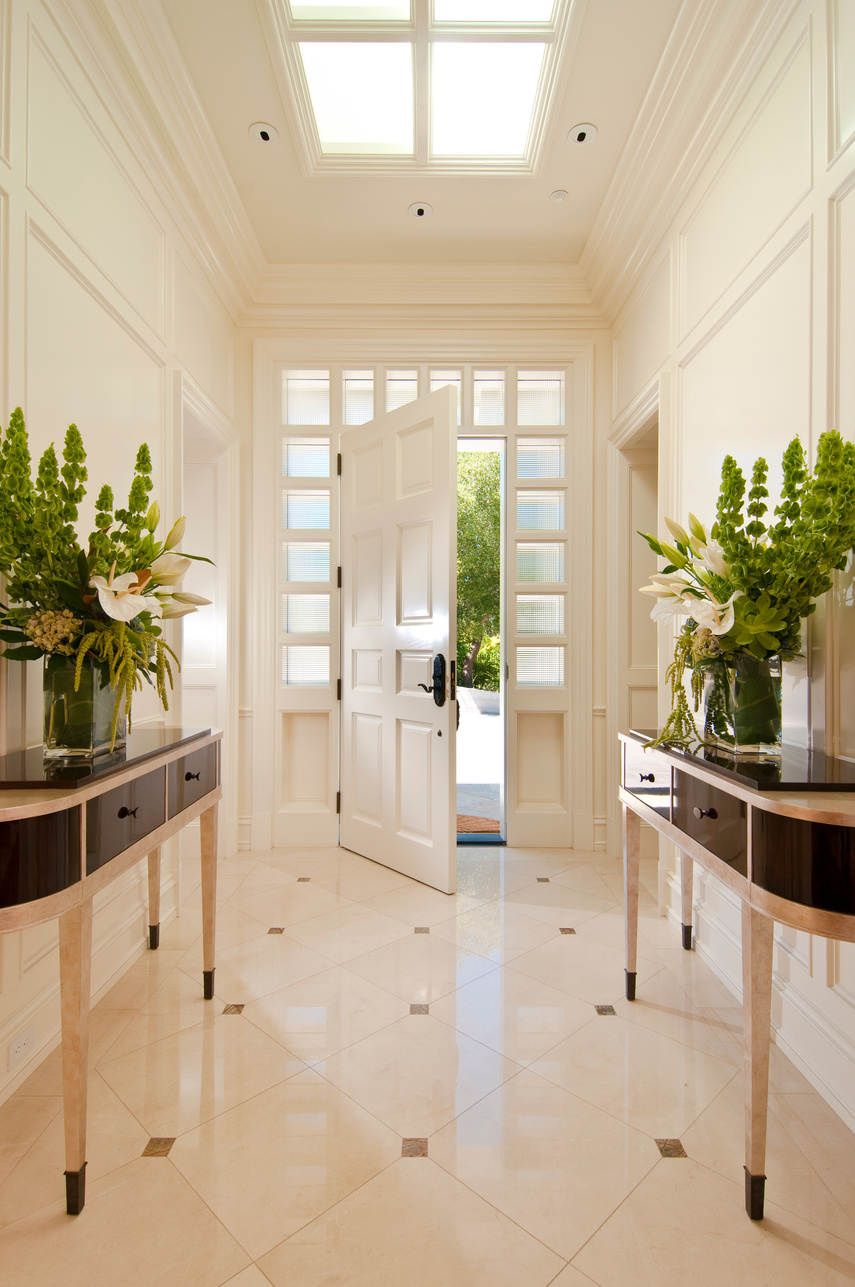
{"x":709,"y":63}
{"x":132,"y":57}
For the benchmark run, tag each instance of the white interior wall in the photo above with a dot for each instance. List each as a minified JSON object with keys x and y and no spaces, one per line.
{"x":750,"y":316}
{"x":102,"y":299}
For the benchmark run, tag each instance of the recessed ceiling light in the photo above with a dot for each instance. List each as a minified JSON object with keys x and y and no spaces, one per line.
{"x":420,"y":210}
{"x":559,"y":196}
{"x":584,"y":133}
{"x":263,"y":132}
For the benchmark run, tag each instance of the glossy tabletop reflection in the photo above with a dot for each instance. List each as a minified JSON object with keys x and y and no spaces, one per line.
{"x":29,"y":769}
{"x":797,"y":768}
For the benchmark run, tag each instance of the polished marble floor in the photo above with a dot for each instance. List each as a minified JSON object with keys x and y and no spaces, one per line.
{"x":401,"y":1089}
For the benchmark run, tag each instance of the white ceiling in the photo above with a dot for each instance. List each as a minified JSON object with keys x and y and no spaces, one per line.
{"x":353,"y":218}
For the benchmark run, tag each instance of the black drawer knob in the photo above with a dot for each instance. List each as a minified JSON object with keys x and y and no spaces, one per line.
{"x":192,"y":777}
{"x":125,"y":812}
{"x":704,"y":813}
{"x":647,"y":777}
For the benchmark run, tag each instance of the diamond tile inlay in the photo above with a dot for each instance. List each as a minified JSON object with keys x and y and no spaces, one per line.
{"x":276,"y":929}
{"x":565,"y":929}
{"x":158,"y":1146}
{"x":418,"y":1008}
{"x":414,"y":1148}
{"x":671,"y":1148}
{"x":303,"y":880}
{"x":543,"y":880}
{"x":422,"y":929}
{"x":233,"y":1009}
{"x":605,"y":1009}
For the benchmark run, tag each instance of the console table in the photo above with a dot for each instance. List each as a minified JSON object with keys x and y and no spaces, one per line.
{"x":780,"y":834}
{"x":67,"y":830}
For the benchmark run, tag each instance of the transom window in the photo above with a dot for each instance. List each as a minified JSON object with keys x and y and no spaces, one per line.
{"x":445,"y":85}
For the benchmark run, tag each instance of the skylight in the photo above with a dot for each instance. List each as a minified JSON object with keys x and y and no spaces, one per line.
{"x":440,"y":85}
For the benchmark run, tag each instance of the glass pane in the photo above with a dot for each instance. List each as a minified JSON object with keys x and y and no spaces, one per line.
{"x":351,"y":10}
{"x":440,"y":378}
{"x":492,"y":10}
{"x":306,"y":614}
{"x":483,"y":97}
{"x":540,"y":511}
{"x":362,"y":95}
{"x":306,"y":457}
{"x":540,"y":667}
{"x":401,"y":387}
{"x":541,"y":561}
{"x":307,"y":397}
{"x":357,"y":396}
{"x":489,"y":397}
{"x":540,"y":614}
{"x":306,"y":561}
{"x":305,"y":665}
{"x":305,"y":509}
{"x":540,"y":458}
{"x":540,"y":398}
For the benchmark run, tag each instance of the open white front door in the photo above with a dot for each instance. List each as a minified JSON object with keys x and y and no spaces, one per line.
{"x":399,"y":612}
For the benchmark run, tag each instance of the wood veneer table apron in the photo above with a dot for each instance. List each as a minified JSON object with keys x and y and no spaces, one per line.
{"x":68,"y":830}
{"x":781,"y":836}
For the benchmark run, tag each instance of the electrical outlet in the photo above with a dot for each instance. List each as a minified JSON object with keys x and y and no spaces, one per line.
{"x":20,"y":1047}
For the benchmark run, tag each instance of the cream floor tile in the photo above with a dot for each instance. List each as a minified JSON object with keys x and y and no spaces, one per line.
{"x":263,"y":877}
{"x":420,"y":968}
{"x":142,"y":1226}
{"x":147,"y":1026}
{"x":585,"y":879}
{"x":255,"y":969}
{"x":695,"y":977}
{"x":250,"y":1277}
{"x":417,"y":1074}
{"x":233,"y":927}
{"x":519,"y":1017}
{"x":662,"y":1005}
{"x":104,"y":1027}
{"x":417,"y":904}
{"x":784,"y":1077}
{"x":412,"y":1225}
{"x":303,"y":1146}
{"x":113,"y":1138}
{"x":556,"y":904}
{"x":584,"y":968}
{"x":182,"y":1081}
{"x":323,"y":1014}
{"x":609,"y":928}
{"x":826,"y":1142}
{"x":684,"y":1222}
{"x":229,"y":880}
{"x":483,"y":874}
{"x":135,"y":986}
{"x":571,"y":1277}
{"x":555,"y":1165}
{"x":359,"y":883}
{"x":351,"y":931}
{"x":290,"y":904}
{"x":23,"y":1118}
{"x":649,"y":1081}
{"x":496,"y":933}
{"x":315,"y":863}
{"x":715,"y":1140}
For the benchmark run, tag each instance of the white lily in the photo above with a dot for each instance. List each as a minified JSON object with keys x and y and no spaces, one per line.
{"x":169,"y":569}
{"x":665,"y":609}
{"x":717,"y":617}
{"x":679,"y":533}
{"x":184,"y":596}
{"x":175,"y":610}
{"x":712,"y":557}
{"x":121,"y":597}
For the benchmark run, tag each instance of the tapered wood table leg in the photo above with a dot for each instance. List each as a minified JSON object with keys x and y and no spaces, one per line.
{"x":208,"y":827}
{"x":75,"y":968}
{"x":757,"y":935}
{"x":687,"y":872}
{"x":154,"y":898}
{"x":631,"y":849}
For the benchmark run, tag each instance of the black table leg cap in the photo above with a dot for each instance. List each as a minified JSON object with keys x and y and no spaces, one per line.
{"x":630,"y":984}
{"x":208,"y":976}
{"x":75,"y":1190}
{"x":154,"y":937}
{"x":755,"y":1191}
{"x":687,"y":937}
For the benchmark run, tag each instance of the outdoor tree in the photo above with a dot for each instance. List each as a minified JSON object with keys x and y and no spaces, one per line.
{"x":479,"y":525}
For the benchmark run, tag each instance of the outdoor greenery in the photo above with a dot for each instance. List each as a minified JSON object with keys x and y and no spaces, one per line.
{"x":101,"y":601}
{"x":746,"y":585}
{"x":479,"y":524}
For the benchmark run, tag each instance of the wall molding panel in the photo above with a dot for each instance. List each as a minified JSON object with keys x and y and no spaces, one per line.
{"x":5,"y":78}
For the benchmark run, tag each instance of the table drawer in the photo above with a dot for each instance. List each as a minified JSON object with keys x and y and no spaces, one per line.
{"x":191,"y":777}
{"x":121,"y":817}
{"x":713,"y":818}
{"x":647,"y":775}
{"x":39,"y":856}
{"x":812,"y":863}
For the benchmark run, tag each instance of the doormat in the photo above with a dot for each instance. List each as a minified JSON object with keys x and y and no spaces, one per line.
{"x":467,"y":823}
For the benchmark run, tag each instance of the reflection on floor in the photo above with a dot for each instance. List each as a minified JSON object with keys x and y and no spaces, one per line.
{"x":402,"y":1088}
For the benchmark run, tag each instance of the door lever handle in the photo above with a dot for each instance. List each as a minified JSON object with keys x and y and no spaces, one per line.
{"x":425,"y":687}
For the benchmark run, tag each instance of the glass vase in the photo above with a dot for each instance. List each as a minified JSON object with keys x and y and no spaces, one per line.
{"x":742,"y":704}
{"x":79,"y":725}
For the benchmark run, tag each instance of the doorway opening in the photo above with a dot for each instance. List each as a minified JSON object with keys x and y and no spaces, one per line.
{"x":480,"y":651}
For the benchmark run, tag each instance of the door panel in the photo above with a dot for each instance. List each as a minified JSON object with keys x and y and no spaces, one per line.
{"x":399,"y":559}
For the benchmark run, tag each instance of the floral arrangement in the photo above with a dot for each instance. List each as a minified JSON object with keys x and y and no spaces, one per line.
{"x":747,"y":584}
{"x":101,"y":602}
